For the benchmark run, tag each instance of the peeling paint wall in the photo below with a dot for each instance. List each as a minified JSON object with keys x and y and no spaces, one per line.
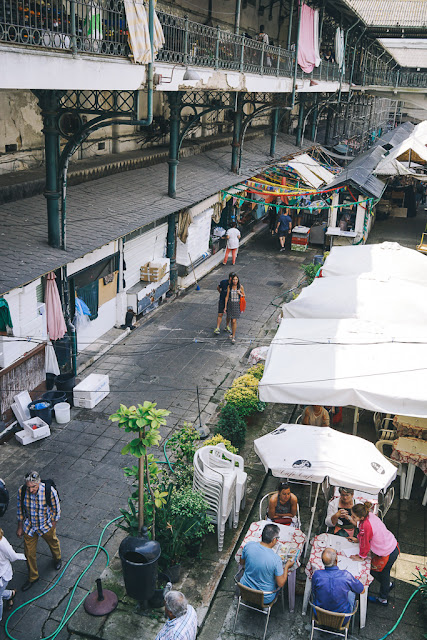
{"x":20,"y":125}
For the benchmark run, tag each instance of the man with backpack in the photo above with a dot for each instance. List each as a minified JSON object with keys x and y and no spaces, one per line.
{"x":38,"y":511}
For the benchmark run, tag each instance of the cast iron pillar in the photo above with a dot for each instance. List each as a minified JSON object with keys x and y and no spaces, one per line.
{"x":274,"y":131}
{"x":235,"y":145}
{"x":174,"y":118}
{"x":49,"y":103}
{"x":300,"y":122}
{"x":314,"y":121}
{"x":170,"y":251}
{"x":328,"y":126}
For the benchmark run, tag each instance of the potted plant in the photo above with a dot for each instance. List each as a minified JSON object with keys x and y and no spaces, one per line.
{"x":231,"y":425}
{"x":421,"y":582}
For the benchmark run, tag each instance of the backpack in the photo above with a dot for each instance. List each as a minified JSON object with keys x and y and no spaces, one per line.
{"x":4,"y":498}
{"x":48,"y":483}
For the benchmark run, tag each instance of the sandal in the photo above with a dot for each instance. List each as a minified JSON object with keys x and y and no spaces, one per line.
{"x":9,"y":603}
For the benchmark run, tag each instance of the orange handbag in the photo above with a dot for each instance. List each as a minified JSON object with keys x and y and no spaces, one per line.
{"x":242,"y":304}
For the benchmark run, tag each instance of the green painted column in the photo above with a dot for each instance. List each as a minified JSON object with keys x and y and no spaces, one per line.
{"x":235,"y":145}
{"x":170,"y":250}
{"x":174,"y":119}
{"x":300,"y":122}
{"x":274,"y":131}
{"x":314,"y":120}
{"x":49,"y":102}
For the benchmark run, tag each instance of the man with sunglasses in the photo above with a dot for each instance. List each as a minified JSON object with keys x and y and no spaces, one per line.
{"x":38,"y":511}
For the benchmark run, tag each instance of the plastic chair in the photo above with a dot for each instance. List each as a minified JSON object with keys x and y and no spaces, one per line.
{"x":401,"y":469}
{"x":219,"y":490}
{"x":388,"y":501}
{"x":263,"y":510}
{"x":335,"y":622}
{"x":220,"y":457}
{"x":254,"y":599}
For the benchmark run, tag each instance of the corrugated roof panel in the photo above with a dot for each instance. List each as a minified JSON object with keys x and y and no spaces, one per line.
{"x":391,"y":13}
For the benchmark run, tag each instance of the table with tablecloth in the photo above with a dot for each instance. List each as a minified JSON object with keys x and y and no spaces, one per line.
{"x":413,"y":452}
{"x":407,"y":426}
{"x":293,"y":541}
{"x":361,"y":570}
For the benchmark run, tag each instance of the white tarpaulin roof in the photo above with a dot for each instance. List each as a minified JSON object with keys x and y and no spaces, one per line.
{"x":314,"y":453}
{"x":348,"y":363}
{"x":388,"y":259}
{"x":416,"y":142}
{"x":363,"y":297}
{"x":310,"y":170}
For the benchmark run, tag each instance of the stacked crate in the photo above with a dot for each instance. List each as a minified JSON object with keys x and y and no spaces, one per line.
{"x":300,"y":238}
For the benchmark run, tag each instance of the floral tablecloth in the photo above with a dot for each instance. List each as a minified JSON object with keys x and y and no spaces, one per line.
{"x":360,"y":570}
{"x":294,"y":537}
{"x":411,"y":451}
{"x":411,"y":427}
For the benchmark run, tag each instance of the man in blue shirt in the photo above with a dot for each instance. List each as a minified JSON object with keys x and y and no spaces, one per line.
{"x":332,"y":588}
{"x":284,"y":229}
{"x":222,"y":290}
{"x":264,"y":570}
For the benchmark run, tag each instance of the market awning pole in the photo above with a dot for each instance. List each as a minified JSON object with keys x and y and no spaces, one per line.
{"x":310,"y":527}
{"x":355,"y":420}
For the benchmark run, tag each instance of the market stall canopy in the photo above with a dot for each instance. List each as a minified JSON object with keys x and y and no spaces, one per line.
{"x":311,"y":171}
{"x":314,"y":453}
{"x":363,"y":297}
{"x":384,"y":260}
{"x":348,"y":363}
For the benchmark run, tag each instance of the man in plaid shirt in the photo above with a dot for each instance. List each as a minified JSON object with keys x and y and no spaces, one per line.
{"x":181,"y":618}
{"x":37,"y":519}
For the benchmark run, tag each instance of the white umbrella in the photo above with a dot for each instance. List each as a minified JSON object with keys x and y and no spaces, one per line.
{"x":313,"y":454}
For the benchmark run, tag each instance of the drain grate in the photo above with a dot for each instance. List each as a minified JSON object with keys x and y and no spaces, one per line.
{"x":274,"y":283}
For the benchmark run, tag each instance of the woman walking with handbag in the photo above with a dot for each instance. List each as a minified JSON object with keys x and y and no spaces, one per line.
{"x":235,"y":303}
{"x":7,"y":556}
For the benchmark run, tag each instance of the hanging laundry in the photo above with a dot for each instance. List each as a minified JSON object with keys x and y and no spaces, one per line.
{"x":306,"y":51}
{"x":5,"y":317}
{"x":316,"y":38}
{"x":339,"y":47}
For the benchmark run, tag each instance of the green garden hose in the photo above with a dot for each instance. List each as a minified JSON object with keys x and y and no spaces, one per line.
{"x":394,"y":627}
{"x":65,"y":617}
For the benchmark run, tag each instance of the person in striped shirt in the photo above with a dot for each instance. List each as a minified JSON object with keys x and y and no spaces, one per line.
{"x":38,"y":512}
{"x":181,"y":618}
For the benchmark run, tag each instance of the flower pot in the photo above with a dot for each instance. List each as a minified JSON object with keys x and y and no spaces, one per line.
{"x":174,"y":573}
{"x":158,"y":599}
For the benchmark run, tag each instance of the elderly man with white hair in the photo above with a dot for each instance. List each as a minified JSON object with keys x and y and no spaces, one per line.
{"x":181,"y":618}
{"x":334,"y":589}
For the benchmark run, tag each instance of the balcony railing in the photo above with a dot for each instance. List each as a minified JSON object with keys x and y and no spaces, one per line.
{"x":99,"y":27}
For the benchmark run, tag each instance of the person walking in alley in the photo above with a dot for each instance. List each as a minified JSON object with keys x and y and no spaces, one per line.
{"x":38,"y":511}
{"x":222,"y":290}
{"x":284,"y":230}
{"x":7,"y":556}
{"x":235,"y":293}
{"x":233,"y":236}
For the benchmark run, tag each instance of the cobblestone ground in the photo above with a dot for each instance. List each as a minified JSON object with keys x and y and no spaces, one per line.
{"x":164,"y":360}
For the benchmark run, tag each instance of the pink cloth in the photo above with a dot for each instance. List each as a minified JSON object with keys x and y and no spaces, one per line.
{"x":374,"y":536}
{"x":306,"y":50}
{"x":56,"y":326}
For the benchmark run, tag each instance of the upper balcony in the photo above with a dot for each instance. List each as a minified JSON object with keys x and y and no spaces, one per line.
{"x":91,"y":43}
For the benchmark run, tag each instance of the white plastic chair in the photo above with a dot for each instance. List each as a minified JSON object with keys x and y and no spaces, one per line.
{"x":217,"y":456}
{"x":401,"y":468}
{"x":388,"y":501}
{"x":219,"y":490}
{"x":263,"y":509}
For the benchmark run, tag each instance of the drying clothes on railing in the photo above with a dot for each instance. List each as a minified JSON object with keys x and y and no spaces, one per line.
{"x":306,"y":53}
{"x":339,"y":47}
{"x":56,"y":326}
{"x":139,"y":37}
{"x":5,"y":317}
{"x":316,"y":38}
{"x":184,"y":220}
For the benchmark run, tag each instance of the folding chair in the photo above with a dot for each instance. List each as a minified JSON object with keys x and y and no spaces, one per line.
{"x":254,"y":599}
{"x":331,"y":622}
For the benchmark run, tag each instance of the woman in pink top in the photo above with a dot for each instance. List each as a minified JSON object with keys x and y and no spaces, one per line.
{"x":374,"y":537}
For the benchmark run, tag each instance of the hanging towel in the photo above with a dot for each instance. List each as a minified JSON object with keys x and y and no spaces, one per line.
{"x":316,"y":38}
{"x":139,"y":37}
{"x":306,"y":52}
{"x":339,"y":47}
{"x":5,"y":318}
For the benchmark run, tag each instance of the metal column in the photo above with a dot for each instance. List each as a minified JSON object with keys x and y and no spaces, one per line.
{"x":274,"y":131}
{"x":314,"y":120}
{"x":235,"y":145}
{"x":170,"y":251}
{"x":175,"y":109}
{"x":300,"y":121}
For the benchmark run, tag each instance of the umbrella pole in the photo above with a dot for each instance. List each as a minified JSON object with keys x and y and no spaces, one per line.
{"x":313,"y":511}
{"x":355,"y":420}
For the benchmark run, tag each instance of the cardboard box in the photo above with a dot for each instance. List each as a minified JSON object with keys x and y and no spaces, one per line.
{"x":90,"y":391}
{"x":399,"y":212}
{"x":153,"y":271}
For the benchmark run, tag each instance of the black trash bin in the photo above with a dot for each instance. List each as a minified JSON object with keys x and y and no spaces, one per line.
{"x":66,"y":382}
{"x":55,"y":396}
{"x":139,"y":556}
{"x":50,"y":381}
{"x":42,"y":409}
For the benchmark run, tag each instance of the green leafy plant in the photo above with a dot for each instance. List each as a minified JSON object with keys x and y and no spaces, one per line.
{"x":231,"y":425}
{"x":310,"y":271}
{"x":421,"y":581}
{"x":144,"y":421}
{"x":183,"y":447}
{"x":244,"y":399}
{"x":257,"y":371}
{"x":217,"y":439}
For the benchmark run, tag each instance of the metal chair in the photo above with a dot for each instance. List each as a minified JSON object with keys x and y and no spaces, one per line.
{"x":334,"y":622}
{"x":263,"y":510}
{"x":401,"y":469}
{"x":254,"y":599}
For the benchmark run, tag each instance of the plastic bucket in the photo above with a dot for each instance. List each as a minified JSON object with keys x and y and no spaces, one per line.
{"x":55,"y":396}
{"x":62,"y":412}
{"x":41,"y":408}
{"x":66,"y":382}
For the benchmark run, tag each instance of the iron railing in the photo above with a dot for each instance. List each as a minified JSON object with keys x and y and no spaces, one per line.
{"x":99,"y":27}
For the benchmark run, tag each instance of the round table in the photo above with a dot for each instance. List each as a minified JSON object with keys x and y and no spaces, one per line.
{"x":413,"y":452}
{"x":411,"y":427}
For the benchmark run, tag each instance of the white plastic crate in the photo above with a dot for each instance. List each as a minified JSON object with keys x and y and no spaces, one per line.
{"x":91,"y":391}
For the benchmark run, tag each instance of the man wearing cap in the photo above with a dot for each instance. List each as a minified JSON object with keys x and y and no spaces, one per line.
{"x":38,"y":511}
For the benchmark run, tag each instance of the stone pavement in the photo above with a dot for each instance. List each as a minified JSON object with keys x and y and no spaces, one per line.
{"x":164,"y":360}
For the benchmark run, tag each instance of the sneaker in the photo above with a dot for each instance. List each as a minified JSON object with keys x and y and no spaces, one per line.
{"x":377,"y":600}
{"x":233,"y":340}
{"x":283,"y":249}
{"x":216,"y":331}
{"x":227,"y":329}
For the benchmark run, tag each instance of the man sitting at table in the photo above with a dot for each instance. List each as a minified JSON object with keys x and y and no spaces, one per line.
{"x":263,"y":568}
{"x":332,"y":588}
